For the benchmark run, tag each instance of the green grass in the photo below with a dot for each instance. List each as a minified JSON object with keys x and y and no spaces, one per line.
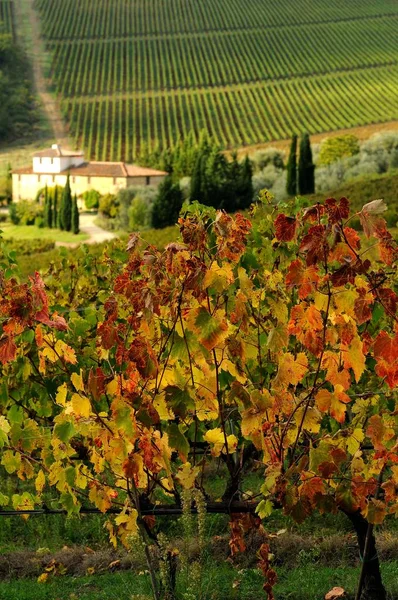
{"x":30,"y":232}
{"x":309,"y":582}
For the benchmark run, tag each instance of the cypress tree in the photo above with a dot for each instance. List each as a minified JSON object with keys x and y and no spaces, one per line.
{"x":291,"y":184}
{"x":75,"y":216}
{"x":196,"y":192}
{"x":46,"y":215}
{"x":8,"y":186}
{"x":55,"y":209}
{"x":50,"y":212}
{"x":306,"y":170}
{"x":167,"y":205}
{"x":66,"y":207}
{"x":245,"y":189}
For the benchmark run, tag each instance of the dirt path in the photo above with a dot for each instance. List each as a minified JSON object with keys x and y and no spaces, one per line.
{"x":28,"y":35}
{"x":96,"y":234}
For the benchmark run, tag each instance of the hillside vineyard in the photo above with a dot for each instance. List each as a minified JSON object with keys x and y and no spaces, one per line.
{"x":133,"y":71}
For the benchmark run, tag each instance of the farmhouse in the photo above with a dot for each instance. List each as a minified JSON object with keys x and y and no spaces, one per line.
{"x":51,"y":167}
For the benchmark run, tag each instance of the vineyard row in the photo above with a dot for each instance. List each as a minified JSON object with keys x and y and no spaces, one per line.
{"x":113,"y":128}
{"x":212,"y":60}
{"x":115,"y":18}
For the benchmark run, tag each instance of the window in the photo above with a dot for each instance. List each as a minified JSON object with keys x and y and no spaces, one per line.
{"x":114,"y":181}
{"x":53,"y":178}
{"x":19,"y":178}
{"x":40,"y":160}
{"x":88,"y":179}
{"x":148,"y":181}
{"x":73,"y":179}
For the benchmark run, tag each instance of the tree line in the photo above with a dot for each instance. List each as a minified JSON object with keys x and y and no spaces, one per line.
{"x":60,"y":208}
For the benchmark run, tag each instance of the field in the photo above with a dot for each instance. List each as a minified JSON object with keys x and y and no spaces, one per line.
{"x":134,"y":72}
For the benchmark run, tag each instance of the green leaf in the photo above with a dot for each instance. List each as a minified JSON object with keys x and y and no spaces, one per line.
{"x":264,"y":509}
{"x":64,"y":431}
{"x":179,"y":400}
{"x":28,"y":336}
{"x":178,"y":441}
{"x":11,"y":461}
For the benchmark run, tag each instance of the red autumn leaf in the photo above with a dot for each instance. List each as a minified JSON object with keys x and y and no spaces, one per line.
{"x":315,"y":245}
{"x":347,"y":273}
{"x":352,"y":237}
{"x":302,"y":277}
{"x":141,"y":353}
{"x":337,"y":212}
{"x":386,"y":347}
{"x":389,"y":300}
{"x":8,"y":350}
{"x":386,"y":353}
{"x":314,"y":213}
{"x":306,"y":324}
{"x":371,"y":222}
{"x":363,"y":306}
{"x":312,"y":487}
{"x":388,"y":248}
{"x":285,"y":228}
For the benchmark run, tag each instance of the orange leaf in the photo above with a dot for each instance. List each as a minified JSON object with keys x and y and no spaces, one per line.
{"x":8,"y":350}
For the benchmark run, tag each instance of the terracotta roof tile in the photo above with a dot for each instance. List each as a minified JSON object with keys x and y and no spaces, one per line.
{"x":54,"y":152}
{"x":101,"y":169}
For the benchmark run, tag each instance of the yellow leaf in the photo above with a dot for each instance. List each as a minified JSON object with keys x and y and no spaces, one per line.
{"x":219,"y":278}
{"x":354,"y":357}
{"x":291,"y":370}
{"x":312,"y":419}
{"x":127,"y":526}
{"x":160,"y":404}
{"x":354,"y":441}
{"x":4,"y":425}
{"x":334,"y":402}
{"x":81,"y":406}
{"x":375,"y":511}
{"x":112,"y":387}
{"x":77,"y":381}
{"x":279,"y":310}
{"x":62,"y":391}
{"x":40,"y":482}
{"x":111,"y":530}
{"x":187,"y":475}
{"x":216,"y":438}
{"x":42,"y":578}
{"x":345,"y":302}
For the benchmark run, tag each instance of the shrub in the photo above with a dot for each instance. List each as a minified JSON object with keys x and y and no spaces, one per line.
{"x":335,"y":148}
{"x":39,"y":222}
{"x":3,"y":217}
{"x":167,"y":205}
{"x":269,"y":156}
{"x":185,"y":187}
{"x":140,"y":214}
{"x":266,"y":178}
{"x":109,"y":206}
{"x":126,"y":198}
{"x":21,"y":248}
{"x":25,"y":212}
{"x":91,"y":199}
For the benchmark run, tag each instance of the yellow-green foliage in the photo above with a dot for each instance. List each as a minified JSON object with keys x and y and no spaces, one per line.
{"x":334,"y":148}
